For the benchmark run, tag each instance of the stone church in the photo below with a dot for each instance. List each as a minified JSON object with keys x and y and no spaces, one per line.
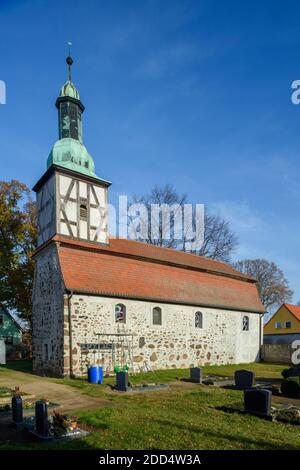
{"x":116,"y":302}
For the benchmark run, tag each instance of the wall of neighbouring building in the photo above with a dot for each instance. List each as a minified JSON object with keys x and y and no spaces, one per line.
{"x":175,"y":343}
{"x":9,"y":329}
{"x":277,"y":353}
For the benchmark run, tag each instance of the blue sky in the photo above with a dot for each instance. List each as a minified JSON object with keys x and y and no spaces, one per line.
{"x":191,"y":93}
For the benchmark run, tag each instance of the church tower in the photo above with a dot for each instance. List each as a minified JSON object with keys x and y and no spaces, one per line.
{"x":71,"y":198}
{"x":72,"y":206}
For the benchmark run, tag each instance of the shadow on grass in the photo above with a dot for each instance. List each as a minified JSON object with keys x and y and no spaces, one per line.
{"x":19,"y":366}
{"x":247,"y":442}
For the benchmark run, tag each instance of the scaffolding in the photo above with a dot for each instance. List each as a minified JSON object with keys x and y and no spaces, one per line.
{"x":115,"y":350}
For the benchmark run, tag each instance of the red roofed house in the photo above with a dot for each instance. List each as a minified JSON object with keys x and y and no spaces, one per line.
{"x":114,"y":301}
{"x":284,"y":326}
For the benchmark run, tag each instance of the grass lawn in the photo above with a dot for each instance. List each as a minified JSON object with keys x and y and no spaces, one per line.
{"x":184,"y":416}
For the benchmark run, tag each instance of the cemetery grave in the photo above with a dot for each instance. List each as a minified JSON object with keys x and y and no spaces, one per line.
{"x":290,"y":386}
{"x":258,"y":402}
{"x":7,"y":394}
{"x":197,"y":377}
{"x":41,"y":425}
{"x":123,"y":385}
{"x":258,"y":397}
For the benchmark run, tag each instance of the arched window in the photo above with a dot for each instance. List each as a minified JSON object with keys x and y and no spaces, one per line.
{"x":156,"y":316}
{"x":198,"y":320}
{"x":245,"y":323}
{"x":120,"y":313}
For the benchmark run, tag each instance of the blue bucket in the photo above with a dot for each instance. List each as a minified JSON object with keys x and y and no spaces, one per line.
{"x":93,"y":374}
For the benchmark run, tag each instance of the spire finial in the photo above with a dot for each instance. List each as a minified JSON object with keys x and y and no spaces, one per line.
{"x":69,"y":61}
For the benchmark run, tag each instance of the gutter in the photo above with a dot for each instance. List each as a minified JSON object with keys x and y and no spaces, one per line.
{"x":165,"y":301}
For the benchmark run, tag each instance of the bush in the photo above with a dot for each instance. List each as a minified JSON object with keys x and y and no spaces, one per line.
{"x":290,"y":388}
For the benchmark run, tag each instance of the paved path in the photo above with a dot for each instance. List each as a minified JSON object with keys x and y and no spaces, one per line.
{"x":70,"y":399}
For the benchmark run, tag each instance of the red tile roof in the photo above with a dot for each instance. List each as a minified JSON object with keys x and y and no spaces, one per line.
{"x":136,"y":270}
{"x":294,"y":309}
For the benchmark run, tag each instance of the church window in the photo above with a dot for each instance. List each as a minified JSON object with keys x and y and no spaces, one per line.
{"x":245,"y":323}
{"x":198,"y":320}
{"x":156,"y":316}
{"x":120,"y":313}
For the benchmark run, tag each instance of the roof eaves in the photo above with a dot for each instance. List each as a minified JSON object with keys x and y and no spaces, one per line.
{"x":164,"y":301}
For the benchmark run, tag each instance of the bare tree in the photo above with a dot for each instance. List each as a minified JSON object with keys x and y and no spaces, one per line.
{"x":219,"y":240}
{"x":272,"y":285}
{"x":152,"y":224}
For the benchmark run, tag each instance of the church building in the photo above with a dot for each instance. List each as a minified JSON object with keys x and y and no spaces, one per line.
{"x":117,"y":302}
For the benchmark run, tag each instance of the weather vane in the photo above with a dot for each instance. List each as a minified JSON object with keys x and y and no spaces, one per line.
{"x":69,"y":60}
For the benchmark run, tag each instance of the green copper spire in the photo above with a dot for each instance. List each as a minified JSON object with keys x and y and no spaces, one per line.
{"x":69,"y":151}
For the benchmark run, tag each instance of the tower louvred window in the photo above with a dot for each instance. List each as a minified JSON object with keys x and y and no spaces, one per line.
{"x":83,"y":211}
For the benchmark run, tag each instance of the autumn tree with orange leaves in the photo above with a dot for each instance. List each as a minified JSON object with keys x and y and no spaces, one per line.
{"x":18,"y":235}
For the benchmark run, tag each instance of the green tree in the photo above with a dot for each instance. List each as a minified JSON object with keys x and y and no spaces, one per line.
{"x":18,"y":236}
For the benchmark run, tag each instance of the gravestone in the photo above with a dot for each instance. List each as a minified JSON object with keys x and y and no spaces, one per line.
{"x":258,"y":402}
{"x":196,"y":375}
{"x":122,"y":381}
{"x":2,"y":351}
{"x":294,"y":372}
{"x":17,"y":410}
{"x":41,"y":418}
{"x":244,"y":379}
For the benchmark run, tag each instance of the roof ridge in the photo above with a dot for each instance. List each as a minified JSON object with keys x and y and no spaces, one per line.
{"x":172,"y":250}
{"x":88,"y":245}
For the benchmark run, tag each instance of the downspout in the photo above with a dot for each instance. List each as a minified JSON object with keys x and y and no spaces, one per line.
{"x":70,"y":295}
{"x":261,"y":316}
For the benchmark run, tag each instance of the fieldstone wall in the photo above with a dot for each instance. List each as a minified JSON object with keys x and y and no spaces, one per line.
{"x":175,"y":343}
{"x":47,"y":314}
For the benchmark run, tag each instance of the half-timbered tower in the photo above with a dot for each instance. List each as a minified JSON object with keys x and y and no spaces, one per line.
{"x":116,"y":301}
